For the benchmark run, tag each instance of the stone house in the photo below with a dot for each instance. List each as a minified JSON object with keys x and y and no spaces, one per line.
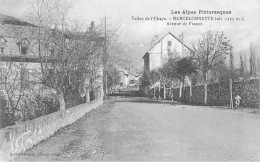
{"x":19,"y":49}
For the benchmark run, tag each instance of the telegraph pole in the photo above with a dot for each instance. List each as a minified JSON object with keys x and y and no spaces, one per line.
{"x":230,"y":76}
{"x":105,"y":55}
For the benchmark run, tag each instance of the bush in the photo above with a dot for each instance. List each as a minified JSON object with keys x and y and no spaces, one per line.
{"x":7,"y":116}
{"x":37,"y":105}
{"x":30,"y":107}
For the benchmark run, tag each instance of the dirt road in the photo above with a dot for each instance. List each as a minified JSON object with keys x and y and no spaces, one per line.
{"x":134,"y":129}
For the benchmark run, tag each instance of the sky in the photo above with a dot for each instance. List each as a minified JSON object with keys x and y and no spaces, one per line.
{"x":140,"y":33}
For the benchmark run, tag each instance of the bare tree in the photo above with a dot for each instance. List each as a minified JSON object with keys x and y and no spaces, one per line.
{"x":13,"y":85}
{"x":209,"y":51}
{"x":68,"y":54}
{"x":242,"y":65}
{"x":252,"y":61}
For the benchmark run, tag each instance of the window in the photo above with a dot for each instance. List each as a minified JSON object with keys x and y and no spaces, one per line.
{"x":52,"y":52}
{"x":169,"y":43}
{"x":24,"y":50}
{"x":51,"y":48}
{"x":2,"y":44}
{"x":24,"y":46}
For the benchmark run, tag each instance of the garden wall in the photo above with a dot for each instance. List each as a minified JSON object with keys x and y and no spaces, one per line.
{"x":16,"y":139}
{"x":219,"y":94}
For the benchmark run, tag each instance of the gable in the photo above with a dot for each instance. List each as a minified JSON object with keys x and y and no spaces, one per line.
{"x":163,"y":43}
{"x":168,"y":36}
{"x":3,"y":41}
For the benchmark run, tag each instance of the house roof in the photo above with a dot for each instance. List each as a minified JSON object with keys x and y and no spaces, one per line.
{"x":6,"y":19}
{"x":127,"y":71}
{"x":163,"y":38}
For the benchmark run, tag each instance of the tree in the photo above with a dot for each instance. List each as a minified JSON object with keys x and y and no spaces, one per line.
{"x":12,"y":91}
{"x":209,"y":51}
{"x":185,"y":67}
{"x":168,"y":69}
{"x":231,"y":75}
{"x":231,"y":60}
{"x":242,"y":65}
{"x":252,"y":61}
{"x":70,"y":56}
{"x":113,"y":77}
{"x":145,"y":79}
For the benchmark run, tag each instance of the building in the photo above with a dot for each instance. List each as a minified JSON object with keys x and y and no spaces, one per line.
{"x":127,"y":77}
{"x":19,"y":61}
{"x":21,"y":56}
{"x":162,"y":49}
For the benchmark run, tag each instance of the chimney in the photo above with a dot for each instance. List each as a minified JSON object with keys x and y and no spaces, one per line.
{"x":181,"y":38}
{"x":152,"y":43}
{"x":156,"y":38}
{"x":92,"y":26}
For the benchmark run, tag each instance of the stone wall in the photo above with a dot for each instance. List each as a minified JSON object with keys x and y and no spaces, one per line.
{"x":219,"y":94}
{"x":16,"y":139}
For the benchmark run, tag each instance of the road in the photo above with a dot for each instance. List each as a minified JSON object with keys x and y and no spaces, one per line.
{"x":135,"y":129}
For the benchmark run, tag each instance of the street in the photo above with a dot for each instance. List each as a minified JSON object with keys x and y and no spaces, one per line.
{"x":137,"y":129}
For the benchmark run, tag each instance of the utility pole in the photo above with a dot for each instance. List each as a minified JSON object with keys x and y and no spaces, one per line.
{"x":230,"y":76}
{"x":105,"y":55}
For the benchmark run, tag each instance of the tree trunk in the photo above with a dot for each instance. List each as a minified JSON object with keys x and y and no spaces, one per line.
{"x":205,"y":89}
{"x":160,"y":89}
{"x":164,"y":91}
{"x":231,"y":93}
{"x":190,"y":92}
{"x":180,"y":93}
{"x":87,"y":96}
{"x":205,"y":93}
{"x":1,"y":117}
{"x":61,"y":101}
{"x":182,"y":86}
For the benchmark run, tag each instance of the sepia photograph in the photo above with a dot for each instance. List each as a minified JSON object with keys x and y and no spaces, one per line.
{"x":129,"y":81}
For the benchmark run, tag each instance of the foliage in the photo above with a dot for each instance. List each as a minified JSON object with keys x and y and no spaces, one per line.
{"x":253,"y":62}
{"x":168,"y":70}
{"x":37,"y":105}
{"x":31,"y":106}
{"x":210,"y":51}
{"x":185,"y":67}
{"x":113,"y":76}
{"x":7,"y":116}
{"x":178,"y":68}
{"x":155,"y":76}
{"x":145,"y":79}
